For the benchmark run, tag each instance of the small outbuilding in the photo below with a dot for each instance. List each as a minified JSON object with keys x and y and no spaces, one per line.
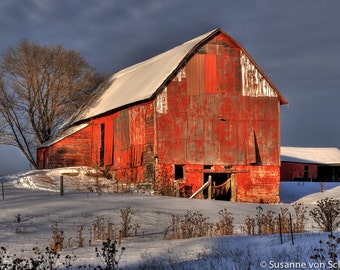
{"x":202,"y":110}
{"x":310,"y":164}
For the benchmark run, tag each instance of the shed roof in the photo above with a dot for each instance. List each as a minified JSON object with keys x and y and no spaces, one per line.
{"x":68,"y":132}
{"x":143,"y":80}
{"x":311,"y":155}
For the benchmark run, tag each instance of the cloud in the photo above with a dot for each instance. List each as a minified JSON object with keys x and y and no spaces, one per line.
{"x":296,"y":43}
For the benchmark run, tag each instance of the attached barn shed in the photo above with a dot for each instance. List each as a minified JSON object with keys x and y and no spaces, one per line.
{"x":310,"y":164}
{"x":202,"y":108}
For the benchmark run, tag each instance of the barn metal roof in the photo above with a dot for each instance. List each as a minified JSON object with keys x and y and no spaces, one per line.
{"x":143,"y":80}
{"x":311,"y":155}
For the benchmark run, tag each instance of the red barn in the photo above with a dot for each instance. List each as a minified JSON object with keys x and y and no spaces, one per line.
{"x":202,"y":108}
{"x":310,"y":164}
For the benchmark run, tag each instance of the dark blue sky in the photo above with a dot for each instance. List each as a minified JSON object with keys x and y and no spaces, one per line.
{"x":296,"y":43}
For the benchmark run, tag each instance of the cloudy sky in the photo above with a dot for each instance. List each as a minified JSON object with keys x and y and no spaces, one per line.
{"x":296,"y":43}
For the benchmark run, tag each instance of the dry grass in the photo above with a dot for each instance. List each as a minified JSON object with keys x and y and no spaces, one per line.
{"x":194,"y":224}
{"x":45,"y":179}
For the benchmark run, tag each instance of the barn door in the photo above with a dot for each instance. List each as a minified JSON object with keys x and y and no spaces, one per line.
{"x":102,"y":145}
{"x":222,"y":185}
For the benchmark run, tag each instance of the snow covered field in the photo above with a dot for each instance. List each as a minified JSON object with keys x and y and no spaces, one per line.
{"x":32,"y":204}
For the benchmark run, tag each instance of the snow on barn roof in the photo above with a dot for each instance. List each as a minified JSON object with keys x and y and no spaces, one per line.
{"x":64,"y":134}
{"x":312,"y":155}
{"x":143,"y":80}
{"x":140,"y":81}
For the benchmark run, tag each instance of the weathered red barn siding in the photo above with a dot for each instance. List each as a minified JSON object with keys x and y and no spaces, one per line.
{"x":194,"y":177}
{"x":206,"y":120}
{"x":292,"y":171}
{"x":42,"y":158}
{"x":102,"y":140}
{"x":129,"y":143}
{"x":73,"y":150}
{"x":122,"y":142}
{"x":259,"y":184}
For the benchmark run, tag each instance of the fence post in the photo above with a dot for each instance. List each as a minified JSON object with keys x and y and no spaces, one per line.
{"x":280,"y":229}
{"x":210,"y":187}
{"x":3,"y":191}
{"x":291,"y":228}
{"x":61,"y":185}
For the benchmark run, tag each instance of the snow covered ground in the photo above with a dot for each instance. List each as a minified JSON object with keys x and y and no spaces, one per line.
{"x":32,"y":204}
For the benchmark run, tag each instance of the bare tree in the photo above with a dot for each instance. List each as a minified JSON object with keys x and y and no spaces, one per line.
{"x":40,"y":87}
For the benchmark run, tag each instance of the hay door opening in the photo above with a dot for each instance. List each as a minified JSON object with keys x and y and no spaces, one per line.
{"x":221,"y":188}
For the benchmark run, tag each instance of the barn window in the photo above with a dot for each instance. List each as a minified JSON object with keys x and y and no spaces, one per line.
{"x":102,"y":143}
{"x":202,"y":74}
{"x":179,"y":172}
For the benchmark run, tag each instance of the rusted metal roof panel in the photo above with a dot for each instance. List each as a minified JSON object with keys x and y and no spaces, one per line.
{"x":211,"y":74}
{"x":195,"y":71}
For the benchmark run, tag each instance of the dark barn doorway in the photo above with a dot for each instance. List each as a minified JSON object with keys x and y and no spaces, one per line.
{"x":328,"y":173}
{"x":218,"y":179}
